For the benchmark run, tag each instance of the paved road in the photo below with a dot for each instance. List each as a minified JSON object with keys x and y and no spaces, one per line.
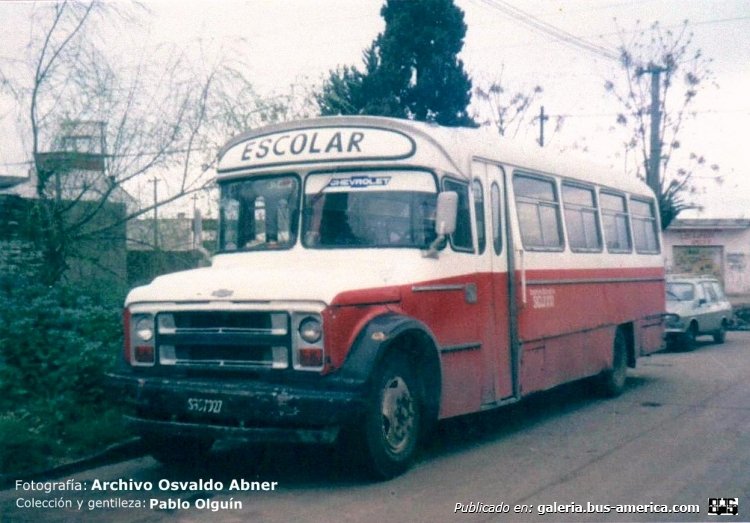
{"x":679,"y":435}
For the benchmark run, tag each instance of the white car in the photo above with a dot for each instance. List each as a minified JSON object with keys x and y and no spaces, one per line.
{"x":696,"y":305}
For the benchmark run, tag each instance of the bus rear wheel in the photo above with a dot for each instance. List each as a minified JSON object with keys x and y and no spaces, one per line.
{"x":612,"y":381}
{"x":392,"y":419}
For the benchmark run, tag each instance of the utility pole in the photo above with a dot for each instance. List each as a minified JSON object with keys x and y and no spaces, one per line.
{"x":654,"y":161}
{"x":195,"y":202}
{"x":542,"y":118}
{"x":154,"y":180}
{"x":197,"y":225}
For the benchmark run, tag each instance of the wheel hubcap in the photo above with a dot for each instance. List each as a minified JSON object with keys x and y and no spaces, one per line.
{"x":398,"y":414}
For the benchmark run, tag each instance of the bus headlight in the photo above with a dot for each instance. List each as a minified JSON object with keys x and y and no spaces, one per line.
{"x":308,"y":353}
{"x":144,"y":329}
{"x":310,"y":330}
{"x":139,"y":340}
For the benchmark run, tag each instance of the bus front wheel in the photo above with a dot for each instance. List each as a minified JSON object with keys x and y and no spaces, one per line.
{"x":393,"y":418}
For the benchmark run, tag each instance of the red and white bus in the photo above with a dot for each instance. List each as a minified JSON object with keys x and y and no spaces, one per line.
{"x":375,"y":275}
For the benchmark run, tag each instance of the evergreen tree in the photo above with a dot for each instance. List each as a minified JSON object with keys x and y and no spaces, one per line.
{"x":412,"y":69}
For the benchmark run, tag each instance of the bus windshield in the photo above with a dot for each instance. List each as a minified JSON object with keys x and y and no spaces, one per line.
{"x":349,"y":210}
{"x":259,"y":214}
{"x":369,"y":210}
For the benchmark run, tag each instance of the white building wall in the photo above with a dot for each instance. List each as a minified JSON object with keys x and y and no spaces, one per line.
{"x":723,"y":251}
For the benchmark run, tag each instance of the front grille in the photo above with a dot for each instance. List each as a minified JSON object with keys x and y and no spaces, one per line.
{"x":218,"y":354}
{"x":223,"y":339}
{"x":225,"y":320}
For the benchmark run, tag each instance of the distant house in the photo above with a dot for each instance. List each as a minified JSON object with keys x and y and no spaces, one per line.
{"x":76,"y":184}
{"x":711,"y":246}
{"x":75,"y":174}
{"x":76,"y":168}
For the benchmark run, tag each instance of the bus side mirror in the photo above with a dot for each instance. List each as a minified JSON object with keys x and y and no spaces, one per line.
{"x":445,"y":215}
{"x":445,"y":221}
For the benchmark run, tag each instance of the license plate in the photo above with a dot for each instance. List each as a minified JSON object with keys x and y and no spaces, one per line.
{"x":204,"y":405}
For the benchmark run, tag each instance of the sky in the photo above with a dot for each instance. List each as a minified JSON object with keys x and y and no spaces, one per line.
{"x":286,"y":42}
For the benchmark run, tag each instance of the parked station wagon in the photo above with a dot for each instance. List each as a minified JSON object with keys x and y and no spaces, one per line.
{"x":696,"y":306}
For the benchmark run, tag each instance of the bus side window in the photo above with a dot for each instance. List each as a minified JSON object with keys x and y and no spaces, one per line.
{"x":497,"y":235}
{"x":645,"y":235}
{"x":461,"y":239}
{"x":538,"y":213}
{"x":615,"y":221}
{"x":479,"y":213}
{"x":581,"y":218}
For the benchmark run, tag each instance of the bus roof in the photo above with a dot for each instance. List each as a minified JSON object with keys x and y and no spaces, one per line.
{"x":453,"y":147}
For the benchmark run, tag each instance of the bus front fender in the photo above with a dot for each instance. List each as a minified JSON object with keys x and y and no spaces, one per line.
{"x":395,"y":332}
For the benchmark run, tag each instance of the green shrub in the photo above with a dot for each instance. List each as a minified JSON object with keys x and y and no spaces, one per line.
{"x":95,"y":430}
{"x":54,"y":342}
{"x":55,"y":346}
{"x":23,"y":447}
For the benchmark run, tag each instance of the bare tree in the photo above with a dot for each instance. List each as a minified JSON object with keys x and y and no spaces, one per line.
{"x":503,"y":108}
{"x":237,"y":106}
{"x":158,"y":115}
{"x":684,"y":71}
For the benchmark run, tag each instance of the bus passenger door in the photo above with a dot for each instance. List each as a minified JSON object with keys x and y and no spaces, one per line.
{"x":495,"y":330}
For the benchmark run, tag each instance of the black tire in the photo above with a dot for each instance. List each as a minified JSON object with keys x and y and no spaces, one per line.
{"x":689,"y":339}
{"x":392,"y":422}
{"x":720,"y":335}
{"x":177,"y":451}
{"x":612,"y":381}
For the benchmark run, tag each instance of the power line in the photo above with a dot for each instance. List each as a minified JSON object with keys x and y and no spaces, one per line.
{"x":540,"y":26}
{"x":614,"y":33}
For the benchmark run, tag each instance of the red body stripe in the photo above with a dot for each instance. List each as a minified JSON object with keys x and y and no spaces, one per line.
{"x":566,"y":326}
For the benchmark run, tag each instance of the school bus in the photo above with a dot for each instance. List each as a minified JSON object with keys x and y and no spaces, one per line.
{"x":376,"y":275}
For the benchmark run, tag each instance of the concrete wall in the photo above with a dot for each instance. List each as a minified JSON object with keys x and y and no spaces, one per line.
{"x":97,"y":264}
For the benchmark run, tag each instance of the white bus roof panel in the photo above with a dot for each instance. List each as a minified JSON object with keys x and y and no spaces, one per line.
{"x":372,"y":140}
